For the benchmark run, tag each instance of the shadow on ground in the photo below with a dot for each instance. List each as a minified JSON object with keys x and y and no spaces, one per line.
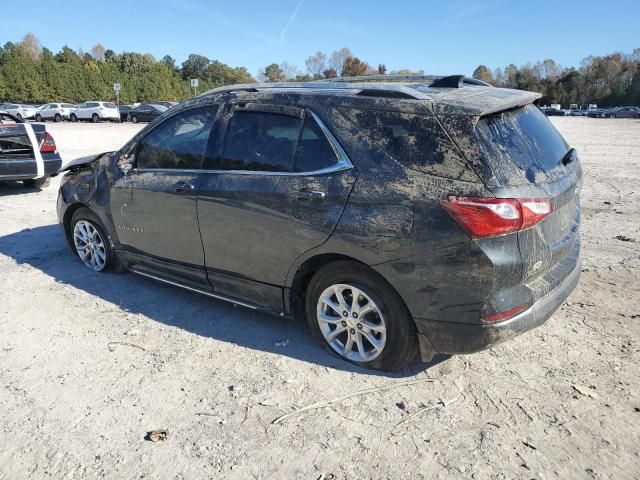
{"x":8,"y":188}
{"x":45,"y":249}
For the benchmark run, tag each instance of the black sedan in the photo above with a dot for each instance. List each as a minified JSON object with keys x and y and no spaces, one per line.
{"x":28,"y":152}
{"x":124,"y":112}
{"x":146,"y":112}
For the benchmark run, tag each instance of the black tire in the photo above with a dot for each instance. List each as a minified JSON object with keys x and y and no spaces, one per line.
{"x":20,"y":116}
{"x":37,"y":183}
{"x":134,"y":119}
{"x":39,"y":118}
{"x":112,"y":262}
{"x":613,"y":115}
{"x":57,"y":118}
{"x":73,"y":117}
{"x":401,"y":344}
{"x":95,"y":118}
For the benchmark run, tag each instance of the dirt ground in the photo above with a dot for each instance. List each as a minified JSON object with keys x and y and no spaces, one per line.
{"x":91,"y":362}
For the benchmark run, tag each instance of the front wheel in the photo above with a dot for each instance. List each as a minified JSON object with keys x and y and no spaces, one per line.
{"x":613,"y":115}
{"x":58,"y":118}
{"x":73,"y":117}
{"x":38,"y":118}
{"x":357,"y":315}
{"x":91,"y":242}
{"x":134,"y":119}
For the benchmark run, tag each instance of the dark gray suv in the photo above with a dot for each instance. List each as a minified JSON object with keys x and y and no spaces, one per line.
{"x":430,"y":214}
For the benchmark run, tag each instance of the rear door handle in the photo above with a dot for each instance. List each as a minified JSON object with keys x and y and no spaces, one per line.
{"x":182,"y":187}
{"x":310,"y":194}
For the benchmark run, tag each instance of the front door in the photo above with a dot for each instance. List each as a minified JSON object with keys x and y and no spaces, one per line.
{"x":154,"y":205}
{"x":278,"y":189}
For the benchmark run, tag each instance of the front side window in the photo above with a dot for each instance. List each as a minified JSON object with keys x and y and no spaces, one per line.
{"x":179,"y":142}
{"x":258,"y":141}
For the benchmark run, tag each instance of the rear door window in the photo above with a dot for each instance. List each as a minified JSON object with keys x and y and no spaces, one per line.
{"x":259,"y":141}
{"x":314,"y":150}
{"x":417,"y":141}
{"x":179,"y":142}
{"x":110,"y":105}
{"x":523,"y":139}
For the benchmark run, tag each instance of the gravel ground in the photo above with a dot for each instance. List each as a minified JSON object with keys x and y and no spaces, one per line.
{"x":91,"y":362}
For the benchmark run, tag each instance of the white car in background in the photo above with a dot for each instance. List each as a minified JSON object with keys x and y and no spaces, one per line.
{"x":55,"y":111}
{"x":96,"y":112}
{"x":23,"y":112}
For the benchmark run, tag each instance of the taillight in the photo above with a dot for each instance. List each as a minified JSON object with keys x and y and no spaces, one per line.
{"x":48,"y":145}
{"x":484,"y":217}
{"x":496,"y":317}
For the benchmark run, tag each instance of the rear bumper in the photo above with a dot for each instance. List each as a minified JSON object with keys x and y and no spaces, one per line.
{"x":461,"y":338}
{"x":27,"y":168}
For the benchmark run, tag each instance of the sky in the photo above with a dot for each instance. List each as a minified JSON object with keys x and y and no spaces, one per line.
{"x":439,"y":37}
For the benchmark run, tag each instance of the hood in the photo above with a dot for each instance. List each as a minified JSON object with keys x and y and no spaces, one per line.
{"x":81,"y":162}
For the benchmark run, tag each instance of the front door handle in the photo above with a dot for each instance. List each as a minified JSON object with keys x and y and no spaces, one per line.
{"x":305,"y":194}
{"x":182,"y":187}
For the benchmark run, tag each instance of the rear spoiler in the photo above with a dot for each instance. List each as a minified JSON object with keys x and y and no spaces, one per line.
{"x":479,"y":102}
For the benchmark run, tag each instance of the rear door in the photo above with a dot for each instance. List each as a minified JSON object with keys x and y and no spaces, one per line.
{"x":277,"y":189}
{"x":530,"y":159}
{"x":154,"y":205}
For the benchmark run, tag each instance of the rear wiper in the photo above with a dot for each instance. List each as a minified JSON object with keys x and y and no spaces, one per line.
{"x":568,"y":157}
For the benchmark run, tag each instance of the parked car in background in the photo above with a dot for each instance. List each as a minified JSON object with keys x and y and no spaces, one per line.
{"x":166,"y":104}
{"x":124,"y":112}
{"x":596,"y":113}
{"x":96,"y":112}
{"x":146,"y":112}
{"x":623,"y":112}
{"x":27,"y":152}
{"x":23,"y":112}
{"x":554,"y":112}
{"x":327,"y":201}
{"x":55,"y":111}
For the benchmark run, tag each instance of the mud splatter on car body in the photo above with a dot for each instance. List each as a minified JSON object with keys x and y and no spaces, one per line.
{"x":410,"y":146}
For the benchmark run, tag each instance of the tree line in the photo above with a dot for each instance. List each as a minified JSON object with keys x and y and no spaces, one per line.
{"x":30,"y":73}
{"x":609,"y":80}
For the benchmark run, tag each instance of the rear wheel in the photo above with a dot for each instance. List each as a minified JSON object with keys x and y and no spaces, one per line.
{"x":134,"y":119}
{"x":57,"y":118}
{"x":613,"y":115}
{"x":19,"y":116}
{"x":73,"y":117}
{"x":38,"y":118}
{"x":356,"y":314}
{"x":91,"y":242}
{"x":37,"y":183}
{"x":95,"y":118}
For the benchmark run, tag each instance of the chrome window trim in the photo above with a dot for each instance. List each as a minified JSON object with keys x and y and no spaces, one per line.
{"x":343,"y":161}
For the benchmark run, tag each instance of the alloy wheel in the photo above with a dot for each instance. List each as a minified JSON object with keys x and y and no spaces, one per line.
{"x":90,"y":245}
{"x":351,"y":322}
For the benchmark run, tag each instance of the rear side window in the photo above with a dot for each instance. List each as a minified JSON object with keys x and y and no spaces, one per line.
{"x":524,"y":139}
{"x":259,"y":141}
{"x":179,"y":142}
{"x":314,"y":150}
{"x":110,"y":105}
{"x":417,"y":141}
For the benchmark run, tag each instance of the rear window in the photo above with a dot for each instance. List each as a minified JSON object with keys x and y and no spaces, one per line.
{"x":417,"y":141}
{"x":524,"y":139}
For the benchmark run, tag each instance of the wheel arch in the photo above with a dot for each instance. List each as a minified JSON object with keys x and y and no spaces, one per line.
{"x":66,"y":220}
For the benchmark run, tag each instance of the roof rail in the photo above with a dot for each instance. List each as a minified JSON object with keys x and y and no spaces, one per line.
{"x":385,"y":78}
{"x":366,"y":89}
